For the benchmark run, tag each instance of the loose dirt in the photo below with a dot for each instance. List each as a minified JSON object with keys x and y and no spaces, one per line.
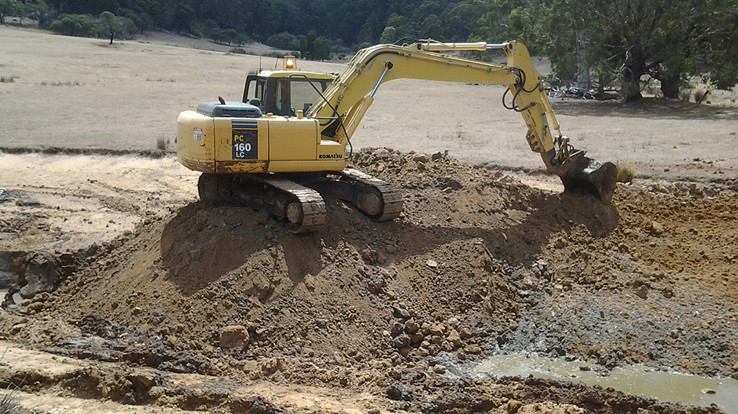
{"x":126,"y":291}
{"x":478,"y":263}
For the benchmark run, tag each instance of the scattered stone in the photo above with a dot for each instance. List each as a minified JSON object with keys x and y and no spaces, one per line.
{"x":270,"y":365}
{"x":401,"y":312}
{"x":143,"y":381}
{"x":382,"y":154}
{"x":465,"y":333}
{"x":411,"y":326}
{"x":656,"y":228}
{"x":668,"y":293}
{"x":401,"y":341}
{"x":234,"y":336}
{"x":708,"y":391}
{"x":309,"y":281}
{"x":39,"y":275}
{"x":454,"y":338}
{"x":17,"y":328}
{"x":453,"y":322}
{"x":437,"y":329}
{"x":432,"y":264}
{"x":439,"y":369}
{"x":512,"y":406}
{"x":381,"y":258}
{"x":642,"y":292}
{"x":473,"y":350}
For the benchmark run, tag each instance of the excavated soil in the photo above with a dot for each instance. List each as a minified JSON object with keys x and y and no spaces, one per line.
{"x":477,"y":264}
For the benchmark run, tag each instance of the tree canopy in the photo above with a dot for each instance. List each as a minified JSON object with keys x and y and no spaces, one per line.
{"x":610,"y":42}
{"x":626,"y":41}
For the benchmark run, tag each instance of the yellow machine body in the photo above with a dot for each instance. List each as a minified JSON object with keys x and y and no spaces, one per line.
{"x":255,"y":145}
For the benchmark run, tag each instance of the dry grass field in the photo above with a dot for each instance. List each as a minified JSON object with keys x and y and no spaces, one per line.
{"x":83,"y":93}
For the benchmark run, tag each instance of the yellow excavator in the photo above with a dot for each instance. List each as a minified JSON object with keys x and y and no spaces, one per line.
{"x":288,"y":141}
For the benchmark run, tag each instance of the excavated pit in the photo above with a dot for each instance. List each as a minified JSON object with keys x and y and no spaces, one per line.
{"x":477,"y":264}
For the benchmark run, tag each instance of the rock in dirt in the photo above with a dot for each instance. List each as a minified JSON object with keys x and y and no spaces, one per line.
{"x":656,"y":228}
{"x":235,"y":336}
{"x":642,"y":292}
{"x":399,"y":391}
{"x":40,"y":276}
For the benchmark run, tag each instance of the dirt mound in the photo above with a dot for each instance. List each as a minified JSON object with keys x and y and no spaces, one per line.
{"x":477,"y":263}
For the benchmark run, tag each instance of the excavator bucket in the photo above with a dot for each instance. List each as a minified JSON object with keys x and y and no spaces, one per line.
{"x":591,"y":177}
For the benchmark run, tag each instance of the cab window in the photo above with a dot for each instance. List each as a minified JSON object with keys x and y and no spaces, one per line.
{"x":296,"y":94}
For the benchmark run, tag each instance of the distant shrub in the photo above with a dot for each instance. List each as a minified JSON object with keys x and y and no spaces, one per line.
{"x":238,"y":51}
{"x":284,"y":40}
{"x":85,"y":25}
{"x":82,"y":25}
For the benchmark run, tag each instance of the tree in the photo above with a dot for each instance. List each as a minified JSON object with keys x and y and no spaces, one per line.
{"x":389,"y":35}
{"x":432,"y":27}
{"x":75,"y":25}
{"x":667,"y":40}
{"x":322,"y":48}
{"x":7,"y":8}
{"x":230,"y":35}
{"x":307,"y":45}
{"x":284,"y":40}
{"x":114,"y":26}
{"x":183,"y":17}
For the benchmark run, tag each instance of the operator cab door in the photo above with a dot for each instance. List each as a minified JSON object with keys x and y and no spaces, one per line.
{"x":256,"y":88}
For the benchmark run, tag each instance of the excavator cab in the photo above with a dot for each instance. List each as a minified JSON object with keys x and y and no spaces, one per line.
{"x":285,"y":91}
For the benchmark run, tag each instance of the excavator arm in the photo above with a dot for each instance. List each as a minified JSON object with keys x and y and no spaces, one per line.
{"x":343,"y":105}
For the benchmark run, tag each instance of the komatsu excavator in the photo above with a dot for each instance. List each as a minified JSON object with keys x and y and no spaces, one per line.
{"x":288,"y":141}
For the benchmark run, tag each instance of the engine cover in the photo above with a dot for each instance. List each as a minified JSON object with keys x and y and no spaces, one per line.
{"x":229,"y":110}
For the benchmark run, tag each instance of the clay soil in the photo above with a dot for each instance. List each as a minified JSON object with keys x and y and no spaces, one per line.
{"x":128,"y":294}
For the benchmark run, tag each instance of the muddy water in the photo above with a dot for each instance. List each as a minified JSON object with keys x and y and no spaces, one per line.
{"x":634,"y":379}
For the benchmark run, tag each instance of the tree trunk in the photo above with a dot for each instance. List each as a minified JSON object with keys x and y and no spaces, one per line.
{"x":631,"y":89}
{"x":670,"y":86}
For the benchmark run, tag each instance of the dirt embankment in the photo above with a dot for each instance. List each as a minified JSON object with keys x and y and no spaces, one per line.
{"x":477,"y":263}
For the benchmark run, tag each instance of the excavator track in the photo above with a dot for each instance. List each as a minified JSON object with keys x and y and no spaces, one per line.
{"x":378,"y":199}
{"x":302,"y":207}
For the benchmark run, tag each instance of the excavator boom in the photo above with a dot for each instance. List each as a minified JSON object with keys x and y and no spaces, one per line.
{"x":352,"y":93}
